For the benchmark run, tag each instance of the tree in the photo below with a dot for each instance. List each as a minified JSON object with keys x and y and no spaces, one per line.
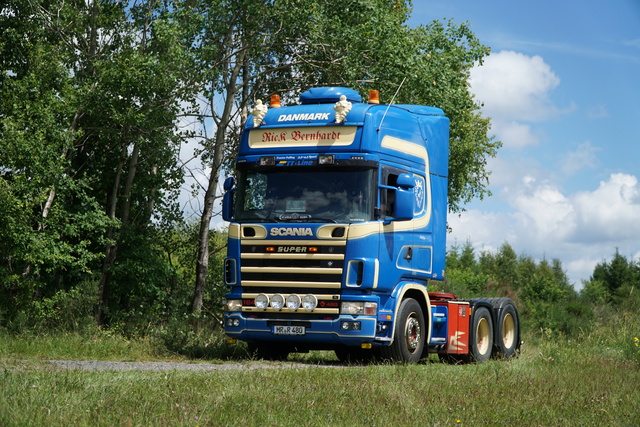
{"x":613,"y":281}
{"x":89,"y":158}
{"x":49,"y":222}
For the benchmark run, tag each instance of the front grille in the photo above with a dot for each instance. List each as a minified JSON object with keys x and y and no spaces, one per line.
{"x":295,"y":267}
{"x":287,"y":277}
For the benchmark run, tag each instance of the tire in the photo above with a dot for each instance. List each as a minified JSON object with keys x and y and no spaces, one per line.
{"x":409,"y":335}
{"x":508,"y":332}
{"x":354,"y":355}
{"x":268,"y":351}
{"x":481,"y":339}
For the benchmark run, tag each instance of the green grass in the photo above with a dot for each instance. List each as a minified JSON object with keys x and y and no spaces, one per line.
{"x":528,"y":391}
{"x":588,"y":381}
{"x":94,"y":346}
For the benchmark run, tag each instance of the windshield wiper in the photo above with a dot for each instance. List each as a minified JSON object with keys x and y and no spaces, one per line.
{"x":294,"y":217}
{"x":314,"y":219}
{"x":258,"y":220}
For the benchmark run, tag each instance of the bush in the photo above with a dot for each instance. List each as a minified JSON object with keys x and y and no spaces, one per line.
{"x":197,"y":338}
{"x":568,"y":319}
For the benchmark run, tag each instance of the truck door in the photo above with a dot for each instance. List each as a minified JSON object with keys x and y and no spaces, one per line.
{"x":396,"y":246}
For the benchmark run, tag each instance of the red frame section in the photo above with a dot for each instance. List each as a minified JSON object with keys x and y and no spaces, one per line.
{"x":458,"y":320}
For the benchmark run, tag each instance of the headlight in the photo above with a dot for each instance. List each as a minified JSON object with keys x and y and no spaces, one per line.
{"x":262,"y":301}
{"x":233,"y":305}
{"x":309,"y":302}
{"x":356,"y":308}
{"x":293,"y":302}
{"x":353,"y":308}
{"x":277,"y":302}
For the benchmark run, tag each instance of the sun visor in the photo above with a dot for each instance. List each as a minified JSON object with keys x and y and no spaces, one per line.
{"x":326,"y":95}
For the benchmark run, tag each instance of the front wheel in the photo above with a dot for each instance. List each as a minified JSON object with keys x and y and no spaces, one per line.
{"x":409,"y":335}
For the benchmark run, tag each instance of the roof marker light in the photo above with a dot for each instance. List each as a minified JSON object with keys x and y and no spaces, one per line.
{"x":275,"y":101}
{"x":374,"y":97}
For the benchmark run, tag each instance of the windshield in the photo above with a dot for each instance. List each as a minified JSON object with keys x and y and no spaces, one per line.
{"x":307,"y":195}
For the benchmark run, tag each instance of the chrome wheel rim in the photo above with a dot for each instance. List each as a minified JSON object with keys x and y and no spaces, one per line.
{"x":413,"y":333}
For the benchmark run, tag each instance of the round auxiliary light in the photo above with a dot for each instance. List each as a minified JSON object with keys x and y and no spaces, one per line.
{"x":277,"y":301}
{"x":309,"y":302}
{"x":262,"y":301}
{"x":293,"y":302}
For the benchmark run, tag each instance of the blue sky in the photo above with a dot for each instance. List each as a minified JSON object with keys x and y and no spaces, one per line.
{"x":562,"y":86}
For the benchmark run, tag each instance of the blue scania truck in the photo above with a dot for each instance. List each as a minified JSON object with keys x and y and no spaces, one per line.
{"x":337,"y":225}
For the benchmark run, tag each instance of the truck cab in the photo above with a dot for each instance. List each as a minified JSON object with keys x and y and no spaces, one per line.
{"x":337,"y":224}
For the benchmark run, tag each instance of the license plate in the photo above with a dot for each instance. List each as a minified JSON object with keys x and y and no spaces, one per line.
{"x":288,"y":330}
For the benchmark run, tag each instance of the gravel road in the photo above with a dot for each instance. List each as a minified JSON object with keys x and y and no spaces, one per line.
{"x":98,"y":365}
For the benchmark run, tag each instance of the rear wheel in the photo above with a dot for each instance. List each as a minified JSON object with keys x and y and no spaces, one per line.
{"x":482,"y":336}
{"x":410,"y":334}
{"x":508,"y":332}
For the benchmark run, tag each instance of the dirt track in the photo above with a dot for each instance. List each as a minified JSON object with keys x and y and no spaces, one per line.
{"x":96,"y":365}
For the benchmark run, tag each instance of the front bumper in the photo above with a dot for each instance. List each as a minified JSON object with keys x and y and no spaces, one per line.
{"x":317,"y":331}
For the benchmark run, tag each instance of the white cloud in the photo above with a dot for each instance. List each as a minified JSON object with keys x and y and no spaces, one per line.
{"x":580,"y":229}
{"x":514,"y":134}
{"x":507,"y":171}
{"x":543,"y":212}
{"x":584,"y":156}
{"x":515,"y":86}
{"x":515,"y":91}
{"x":480,"y":228}
{"x":611,"y":213}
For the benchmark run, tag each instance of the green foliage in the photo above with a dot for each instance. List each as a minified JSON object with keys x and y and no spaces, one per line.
{"x":546,"y":299}
{"x":91,"y":95}
{"x":633,"y":349}
{"x":617,"y":281}
{"x":464,"y":274}
{"x":70,"y":310}
{"x":595,"y":292}
{"x":197,"y":338}
{"x":50,"y":224}
{"x":89,"y":155}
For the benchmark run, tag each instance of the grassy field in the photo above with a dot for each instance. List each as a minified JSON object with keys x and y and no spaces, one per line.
{"x":554,"y":382}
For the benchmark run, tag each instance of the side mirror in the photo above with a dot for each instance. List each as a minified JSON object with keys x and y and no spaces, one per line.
{"x":229,"y":183}
{"x":405,"y":181}
{"x":227,"y":199}
{"x":403,"y":210}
